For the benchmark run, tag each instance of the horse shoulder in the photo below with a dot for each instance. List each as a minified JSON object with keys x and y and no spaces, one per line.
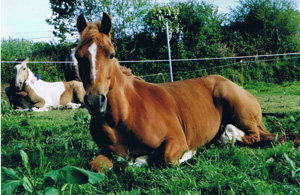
{"x":153,"y":114}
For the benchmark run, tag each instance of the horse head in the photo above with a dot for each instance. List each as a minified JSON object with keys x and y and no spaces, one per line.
{"x":95,"y":54}
{"x":21,"y":74}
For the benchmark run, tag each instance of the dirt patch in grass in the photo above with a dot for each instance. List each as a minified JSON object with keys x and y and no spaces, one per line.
{"x":277,"y":98}
{"x":282,"y":103}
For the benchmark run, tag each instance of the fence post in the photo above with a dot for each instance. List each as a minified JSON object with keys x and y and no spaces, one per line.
{"x":242,"y":76}
{"x":169,"y":52}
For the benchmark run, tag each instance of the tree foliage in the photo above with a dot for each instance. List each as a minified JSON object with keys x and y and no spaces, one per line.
{"x":12,"y":49}
{"x":266,"y":26}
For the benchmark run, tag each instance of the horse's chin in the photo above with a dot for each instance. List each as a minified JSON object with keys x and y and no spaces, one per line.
{"x":97,"y":114}
{"x":96,"y":111}
{"x":19,"y":88}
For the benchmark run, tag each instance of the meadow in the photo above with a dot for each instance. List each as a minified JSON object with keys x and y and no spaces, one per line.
{"x":48,"y":153}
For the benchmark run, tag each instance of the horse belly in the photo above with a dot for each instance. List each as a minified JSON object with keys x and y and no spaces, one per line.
{"x":201,"y":123}
{"x":57,"y":89}
{"x":50,"y":92}
{"x":201,"y":118}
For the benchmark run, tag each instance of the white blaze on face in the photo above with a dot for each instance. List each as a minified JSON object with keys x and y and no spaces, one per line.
{"x":93,"y":51}
{"x":20,"y":77}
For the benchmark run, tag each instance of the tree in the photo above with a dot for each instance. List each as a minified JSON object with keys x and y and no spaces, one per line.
{"x":126,"y":15}
{"x":265,"y":26}
{"x":12,"y":49}
{"x":200,"y":29}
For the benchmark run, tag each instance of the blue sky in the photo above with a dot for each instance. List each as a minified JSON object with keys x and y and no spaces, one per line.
{"x":26,"y":18}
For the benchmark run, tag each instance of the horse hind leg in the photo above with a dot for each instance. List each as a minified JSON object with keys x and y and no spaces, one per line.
{"x":78,"y":91}
{"x":231,"y":135}
{"x":247,"y":135}
{"x":71,"y":105}
{"x":257,"y":137}
{"x":44,"y":109}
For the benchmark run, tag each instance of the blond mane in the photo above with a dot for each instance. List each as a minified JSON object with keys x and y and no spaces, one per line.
{"x":127,"y":71}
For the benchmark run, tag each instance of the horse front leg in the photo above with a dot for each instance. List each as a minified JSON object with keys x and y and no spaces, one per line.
{"x":38,"y":101}
{"x":176,"y":151}
{"x":101,"y":163}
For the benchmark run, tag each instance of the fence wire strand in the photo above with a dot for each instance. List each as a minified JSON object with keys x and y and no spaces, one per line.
{"x":248,"y":63}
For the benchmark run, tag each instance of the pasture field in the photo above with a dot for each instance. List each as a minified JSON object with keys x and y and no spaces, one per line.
{"x":35,"y":145}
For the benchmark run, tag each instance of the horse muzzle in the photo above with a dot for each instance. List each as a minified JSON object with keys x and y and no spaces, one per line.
{"x":96,"y":105}
{"x":18,"y":85}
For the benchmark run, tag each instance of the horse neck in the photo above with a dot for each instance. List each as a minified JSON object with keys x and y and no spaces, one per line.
{"x":121,"y":85}
{"x":30,"y":77}
{"x":120,"y":80}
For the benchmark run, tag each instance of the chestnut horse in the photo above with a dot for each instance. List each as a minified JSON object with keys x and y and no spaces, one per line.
{"x":47,"y":95}
{"x":133,"y":118}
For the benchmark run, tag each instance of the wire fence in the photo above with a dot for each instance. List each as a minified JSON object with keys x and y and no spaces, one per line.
{"x":186,"y":68}
{"x":173,"y":60}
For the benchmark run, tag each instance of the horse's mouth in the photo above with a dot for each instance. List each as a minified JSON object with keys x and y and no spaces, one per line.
{"x":19,"y":88}
{"x":95,"y":111}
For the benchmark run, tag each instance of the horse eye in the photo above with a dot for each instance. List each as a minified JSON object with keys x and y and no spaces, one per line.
{"x":112,"y":55}
{"x":24,"y":68}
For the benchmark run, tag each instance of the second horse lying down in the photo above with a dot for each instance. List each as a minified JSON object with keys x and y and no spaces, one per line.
{"x":47,"y":95}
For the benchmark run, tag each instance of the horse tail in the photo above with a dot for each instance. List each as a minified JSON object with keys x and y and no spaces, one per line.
{"x":267,"y":138}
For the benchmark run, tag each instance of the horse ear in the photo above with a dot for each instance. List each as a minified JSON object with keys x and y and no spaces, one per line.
{"x":24,"y":63}
{"x":81,"y":23}
{"x":105,"y":24}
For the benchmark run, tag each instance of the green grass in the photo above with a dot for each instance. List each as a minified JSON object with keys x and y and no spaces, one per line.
{"x":56,"y":139}
{"x":277,"y":98}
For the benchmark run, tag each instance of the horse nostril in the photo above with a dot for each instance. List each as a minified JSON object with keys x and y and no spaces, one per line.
{"x":102,"y":99}
{"x":97,"y":101}
{"x":96,"y":104}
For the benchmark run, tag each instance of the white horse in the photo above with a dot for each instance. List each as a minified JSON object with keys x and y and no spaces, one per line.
{"x":47,"y":95}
